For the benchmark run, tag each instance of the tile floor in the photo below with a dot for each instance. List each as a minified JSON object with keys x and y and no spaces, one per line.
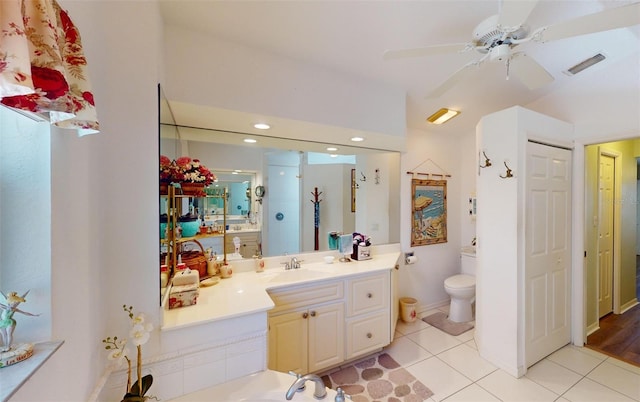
{"x":452,"y":368}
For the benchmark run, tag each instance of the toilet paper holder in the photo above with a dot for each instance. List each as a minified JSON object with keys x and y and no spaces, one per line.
{"x":407,"y":260}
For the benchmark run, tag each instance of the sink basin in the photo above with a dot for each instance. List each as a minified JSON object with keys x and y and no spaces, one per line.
{"x":300,"y":274}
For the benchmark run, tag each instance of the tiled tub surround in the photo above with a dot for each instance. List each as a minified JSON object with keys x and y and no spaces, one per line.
{"x":224,"y":336}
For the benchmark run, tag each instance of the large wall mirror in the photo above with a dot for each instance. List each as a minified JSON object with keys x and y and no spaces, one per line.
{"x":272,"y":184}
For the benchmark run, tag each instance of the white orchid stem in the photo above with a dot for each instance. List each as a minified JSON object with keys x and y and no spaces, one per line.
{"x":140,"y":367}
{"x":128,"y":375}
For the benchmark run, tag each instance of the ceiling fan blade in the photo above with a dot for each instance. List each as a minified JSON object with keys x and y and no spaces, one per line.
{"x":452,"y":80}
{"x":514,"y":13}
{"x":424,"y":51}
{"x":529,"y":71}
{"x":613,"y":18}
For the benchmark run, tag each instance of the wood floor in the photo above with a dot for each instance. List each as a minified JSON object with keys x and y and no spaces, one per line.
{"x":619,"y":334}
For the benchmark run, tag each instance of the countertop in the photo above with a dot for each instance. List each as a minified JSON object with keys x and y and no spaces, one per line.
{"x":247,"y":292}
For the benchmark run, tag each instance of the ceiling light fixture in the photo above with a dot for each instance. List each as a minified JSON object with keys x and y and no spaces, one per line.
{"x":331,"y":149}
{"x":357,"y":139}
{"x":250,"y":140}
{"x":262,"y":126}
{"x":442,"y":116}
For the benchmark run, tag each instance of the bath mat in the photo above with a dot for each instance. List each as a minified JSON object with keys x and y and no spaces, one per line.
{"x":378,"y":378}
{"x":440,"y":321}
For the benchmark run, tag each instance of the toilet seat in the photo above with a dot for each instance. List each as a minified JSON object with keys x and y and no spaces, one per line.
{"x":460,"y":281}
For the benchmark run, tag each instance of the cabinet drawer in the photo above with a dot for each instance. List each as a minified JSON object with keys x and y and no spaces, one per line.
{"x":301,"y":296}
{"x":367,"y":294}
{"x":367,"y":334}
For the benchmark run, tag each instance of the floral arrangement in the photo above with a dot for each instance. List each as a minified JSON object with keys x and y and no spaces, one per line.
{"x":118,"y":351}
{"x":184,"y":170}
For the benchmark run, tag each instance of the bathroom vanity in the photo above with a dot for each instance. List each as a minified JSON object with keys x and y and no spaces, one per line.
{"x":305,"y":320}
{"x":319,"y":325}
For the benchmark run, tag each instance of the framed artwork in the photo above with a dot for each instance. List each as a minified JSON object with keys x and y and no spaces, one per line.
{"x":429,"y":212}
{"x":353,"y":190}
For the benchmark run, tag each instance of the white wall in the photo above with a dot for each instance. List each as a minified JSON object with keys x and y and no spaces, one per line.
{"x":25,"y":219}
{"x":104,"y":200}
{"x":205,"y":70}
{"x":333,"y":181}
{"x":501,"y":232}
{"x":425,"y":279}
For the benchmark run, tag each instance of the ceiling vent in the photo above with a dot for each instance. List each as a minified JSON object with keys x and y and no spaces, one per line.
{"x":583,"y":65}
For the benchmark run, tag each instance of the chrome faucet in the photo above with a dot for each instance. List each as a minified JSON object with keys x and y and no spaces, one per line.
{"x":319,"y":393}
{"x":295,"y":263}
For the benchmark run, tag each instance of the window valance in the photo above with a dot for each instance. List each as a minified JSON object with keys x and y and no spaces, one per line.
{"x":42,"y":64}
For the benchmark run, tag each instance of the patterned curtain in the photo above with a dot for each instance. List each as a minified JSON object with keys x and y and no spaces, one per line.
{"x":42,"y":65}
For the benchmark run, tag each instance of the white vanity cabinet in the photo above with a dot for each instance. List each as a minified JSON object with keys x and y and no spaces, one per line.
{"x":368,"y":314}
{"x":323,"y":324}
{"x":306,"y":326}
{"x":248,"y":243}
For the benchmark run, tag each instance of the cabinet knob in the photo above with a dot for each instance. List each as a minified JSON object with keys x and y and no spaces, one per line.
{"x":369,"y":335}
{"x":369,"y":295}
{"x":305,"y":315}
{"x":313,"y":314}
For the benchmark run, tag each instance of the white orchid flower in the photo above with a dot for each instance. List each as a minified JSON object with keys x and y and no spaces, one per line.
{"x":118,"y":355}
{"x":139,"y":319}
{"x":139,"y":335}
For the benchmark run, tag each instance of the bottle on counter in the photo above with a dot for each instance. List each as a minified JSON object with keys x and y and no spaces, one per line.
{"x":259,"y":263}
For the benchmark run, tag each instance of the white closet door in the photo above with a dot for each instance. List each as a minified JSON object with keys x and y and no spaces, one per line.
{"x":547,"y":251}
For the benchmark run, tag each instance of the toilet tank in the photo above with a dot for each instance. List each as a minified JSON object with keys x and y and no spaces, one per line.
{"x":468,"y":260}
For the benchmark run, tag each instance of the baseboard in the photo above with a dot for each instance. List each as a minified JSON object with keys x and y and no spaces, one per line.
{"x":628,"y":305}
{"x":433,"y":306}
{"x":593,"y":328}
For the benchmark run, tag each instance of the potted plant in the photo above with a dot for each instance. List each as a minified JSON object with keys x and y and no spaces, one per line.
{"x":192,"y":175}
{"x":139,"y":334}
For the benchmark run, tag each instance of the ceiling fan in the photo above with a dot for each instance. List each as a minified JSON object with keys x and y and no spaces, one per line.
{"x":497,"y":37}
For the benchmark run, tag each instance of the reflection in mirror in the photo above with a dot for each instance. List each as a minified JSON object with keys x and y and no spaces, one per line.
{"x":358,"y":188}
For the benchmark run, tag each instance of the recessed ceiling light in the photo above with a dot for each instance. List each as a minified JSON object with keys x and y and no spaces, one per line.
{"x":331,"y":149}
{"x":357,"y":139}
{"x":250,"y":140}
{"x":262,"y":126}
{"x":442,"y":116}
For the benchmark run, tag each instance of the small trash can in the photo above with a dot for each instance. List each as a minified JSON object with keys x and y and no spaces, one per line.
{"x":408,"y":309}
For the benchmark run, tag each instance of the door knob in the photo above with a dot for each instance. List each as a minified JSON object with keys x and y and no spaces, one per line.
{"x":369,"y":335}
{"x":369,"y":295}
{"x":313,"y":314}
{"x":305,"y":315}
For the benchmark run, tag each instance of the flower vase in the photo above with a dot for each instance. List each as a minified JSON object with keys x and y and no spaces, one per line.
{"x":189,"y":188}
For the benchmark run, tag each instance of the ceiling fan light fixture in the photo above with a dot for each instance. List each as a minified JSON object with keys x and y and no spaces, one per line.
{"x":584,"y":64}
{"x":442,"y":116}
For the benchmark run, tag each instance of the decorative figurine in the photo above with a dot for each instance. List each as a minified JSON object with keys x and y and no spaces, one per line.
{"x":8,"y":354}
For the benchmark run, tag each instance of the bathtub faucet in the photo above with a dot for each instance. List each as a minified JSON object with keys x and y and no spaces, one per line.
{"x":319,"y":393}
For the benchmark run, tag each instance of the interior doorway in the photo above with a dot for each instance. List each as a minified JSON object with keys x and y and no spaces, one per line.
{"x":607,"y":223}
{"x":612,"y":245}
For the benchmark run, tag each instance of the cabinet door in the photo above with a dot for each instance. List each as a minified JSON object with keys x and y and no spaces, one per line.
{"x":326,"y":342}
{"x":288,"y":335}
{"x":368,"y":294}
{"x":367,"y":333}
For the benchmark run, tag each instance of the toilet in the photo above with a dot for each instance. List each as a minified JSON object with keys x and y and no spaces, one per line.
{"x":462,"y":288}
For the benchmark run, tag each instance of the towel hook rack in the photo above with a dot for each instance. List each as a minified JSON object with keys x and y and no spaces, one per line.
{"x":509,"y":172}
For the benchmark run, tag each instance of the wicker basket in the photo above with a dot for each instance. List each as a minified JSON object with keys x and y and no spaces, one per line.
{"x":194,"y":259}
